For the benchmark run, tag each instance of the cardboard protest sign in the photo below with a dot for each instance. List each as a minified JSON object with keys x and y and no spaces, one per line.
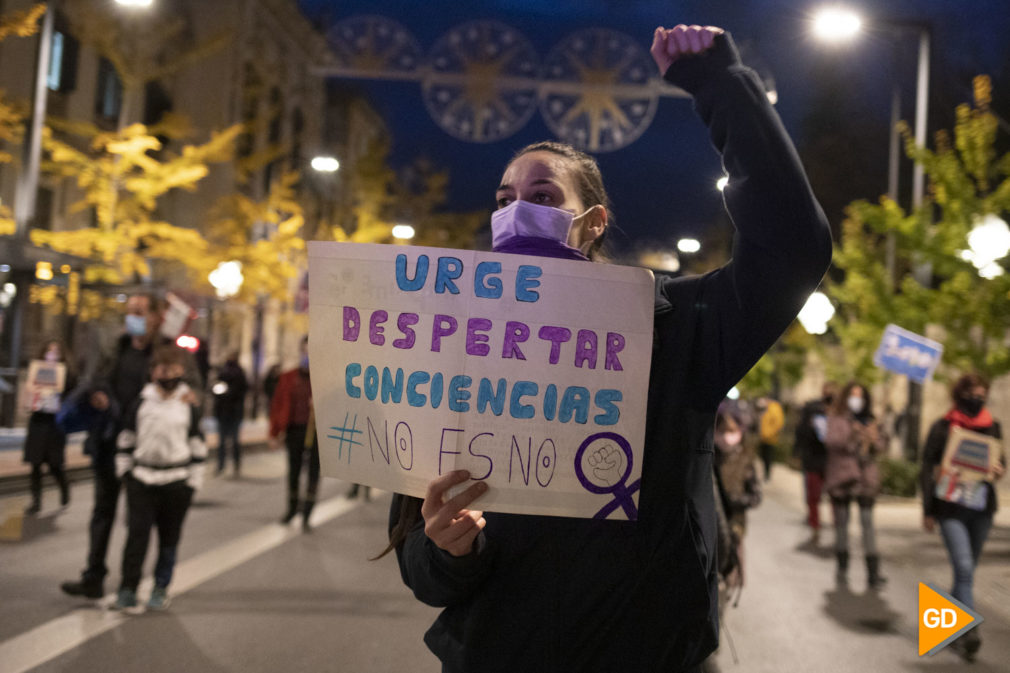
{"x":44,"y":385}
{"x":968,"y":462}
{"x":531,"y":373}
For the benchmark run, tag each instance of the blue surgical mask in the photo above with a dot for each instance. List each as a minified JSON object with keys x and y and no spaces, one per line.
{"x":136,"y":325}
{"x":304,"y":362}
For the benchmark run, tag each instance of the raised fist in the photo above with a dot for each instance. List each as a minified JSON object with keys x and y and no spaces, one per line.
{"x":607,"y":463}
{"x":670,"y":44}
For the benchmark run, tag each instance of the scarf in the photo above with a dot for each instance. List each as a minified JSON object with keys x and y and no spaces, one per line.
{"x":957,"y":417}
{"x":539,"y":247}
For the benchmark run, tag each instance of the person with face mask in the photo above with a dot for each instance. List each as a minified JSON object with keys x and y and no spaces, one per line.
{"x":161,"y":458}
{"x":99,"y":407}
{"x":46,"y":441}
{"x":291,"y":417}
{"x":854,"y":441}
{"x":964,"y":530}
{"x":544,"y":593}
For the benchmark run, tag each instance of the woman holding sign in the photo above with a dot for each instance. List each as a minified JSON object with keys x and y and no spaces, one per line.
{"x":964,"y":521}
{"x":542,"y":593}
{"x":45,"y":441}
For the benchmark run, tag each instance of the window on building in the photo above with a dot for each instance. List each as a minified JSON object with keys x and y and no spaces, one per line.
{"x":62,"y":75}
{"x":157,"y":102}
{"x":297,"y":131}
{"x":109,"y":92}
{"x":43,"y":209}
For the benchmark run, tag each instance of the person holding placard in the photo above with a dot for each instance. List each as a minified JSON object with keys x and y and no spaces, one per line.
{"x":45,"y":441}
{"x":964,"y":520}
{"x":540,"y":593}
{"x":854,"y":440}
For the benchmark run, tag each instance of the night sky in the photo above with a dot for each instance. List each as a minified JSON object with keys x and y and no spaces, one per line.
{"x":662,"y":184}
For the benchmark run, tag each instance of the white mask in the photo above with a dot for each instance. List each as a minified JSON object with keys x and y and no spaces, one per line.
{"x":856,"y":404}
{"x":522,"y":218}
{"x":732,"y":438}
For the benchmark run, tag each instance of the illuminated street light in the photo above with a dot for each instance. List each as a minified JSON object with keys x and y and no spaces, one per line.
{"x":227,"y":279}
{"x":816,"y":313}
{"x":988,"y":241}
{"x":721,"y":183}
{"x":135,"y":3}
{"x":688,"y":245}
{"x":837,"y":24}
{"x":325,"y":164}
{"x":404,"y":232}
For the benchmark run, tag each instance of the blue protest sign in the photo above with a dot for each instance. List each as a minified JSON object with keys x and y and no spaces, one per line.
{"x":908,"y":353}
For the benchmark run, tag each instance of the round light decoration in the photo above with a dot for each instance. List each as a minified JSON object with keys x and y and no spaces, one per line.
{"x":598,"y":92}
{"x":480,"y":85}
{"x":374,"y":46}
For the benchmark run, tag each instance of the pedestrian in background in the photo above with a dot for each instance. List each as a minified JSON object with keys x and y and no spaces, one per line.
{"x":964,"y":530}
{"x":808,"y":446}
{"x":738,"y":481}
{"x":45,"y":440}
{"x":101,"y":406}
{"x":769,"y":430}
{"x":545,"y":593}
{"x":854,"y":440}
{"x":290,"y":414}
{"x":229,"y":409}
{"x":160,"y":456}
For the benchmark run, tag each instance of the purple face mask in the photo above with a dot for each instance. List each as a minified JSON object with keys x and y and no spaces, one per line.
{"x":524,"y":228}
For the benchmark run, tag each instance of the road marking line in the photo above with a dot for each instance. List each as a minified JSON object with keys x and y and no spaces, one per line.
{"x":48,"y":641}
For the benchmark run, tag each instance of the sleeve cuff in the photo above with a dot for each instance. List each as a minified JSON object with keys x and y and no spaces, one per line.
{"x":692,"y":72}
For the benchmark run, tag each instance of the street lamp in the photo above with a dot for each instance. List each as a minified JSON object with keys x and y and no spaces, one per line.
{"x":135,"y":3}
{"x":988,"y":242}
{"x":227,"y":279}
{"x":404,"y":232}
{"x":688,"y":245}
{"x":325,"y":164}
{"x":816,"y":313}
{"x":837,"y":24}
{"x":721,"y":183}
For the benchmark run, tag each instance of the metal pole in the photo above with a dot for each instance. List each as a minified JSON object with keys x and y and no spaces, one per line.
{"x":893,"y":157}
{"x":923,"y":272}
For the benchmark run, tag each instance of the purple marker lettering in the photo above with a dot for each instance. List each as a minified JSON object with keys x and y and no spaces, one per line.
{"x":615,"y":344}
{"x":515,"y":333}
{"x":352,"y":323}
{"x":441,"y":447}
{"x":557,"y":336}
{"x":585,"y":348}
{"x":490,"y":463}
{"x":403,"y":438}
{"x":375,"y":328}
{"x":476,"y":343}
{"x":444,"y":326}
{"x":403,"y":323}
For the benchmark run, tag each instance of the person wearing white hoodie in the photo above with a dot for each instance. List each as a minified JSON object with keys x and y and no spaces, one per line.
{"x":160,"y":455}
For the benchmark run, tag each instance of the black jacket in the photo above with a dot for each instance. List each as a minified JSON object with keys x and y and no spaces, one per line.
{"x":559,"y":594}
{"x":808,"y":446}
{"x":229,"y":400}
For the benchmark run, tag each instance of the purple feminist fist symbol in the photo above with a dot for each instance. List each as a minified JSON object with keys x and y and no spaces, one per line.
{"x":605,"y":453}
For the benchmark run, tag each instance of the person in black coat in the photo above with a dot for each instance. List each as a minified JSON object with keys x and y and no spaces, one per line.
{"x":229,"y":408}
{"x":45,"y":442}
{"x":808,"y":446}
{"x":963,"y":528}
{"x":542,"y":593}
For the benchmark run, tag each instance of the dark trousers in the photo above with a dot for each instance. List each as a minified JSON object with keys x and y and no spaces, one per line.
{"x":147,"y":506}
{"x":767,"y":453}
{"x":102,"y":518}
{"x":298,"y":454}
{"x":55,"y":469}
{"x":227,"y":433}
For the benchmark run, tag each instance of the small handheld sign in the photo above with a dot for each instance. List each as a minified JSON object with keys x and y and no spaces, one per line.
{"x":908,"y":353}
{"x":531,"y":373}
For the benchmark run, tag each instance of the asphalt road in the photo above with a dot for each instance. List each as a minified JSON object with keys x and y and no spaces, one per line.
{"x":251,"y":595}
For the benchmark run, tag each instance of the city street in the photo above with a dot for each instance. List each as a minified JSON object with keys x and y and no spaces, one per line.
{"x":252,"y":595}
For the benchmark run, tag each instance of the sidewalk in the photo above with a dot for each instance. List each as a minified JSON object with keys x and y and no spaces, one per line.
{"x":253,"y":431}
